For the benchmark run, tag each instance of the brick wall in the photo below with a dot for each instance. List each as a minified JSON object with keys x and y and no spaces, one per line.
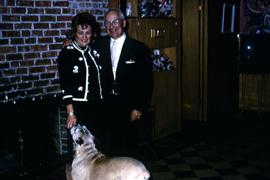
{"x":32,"y":33}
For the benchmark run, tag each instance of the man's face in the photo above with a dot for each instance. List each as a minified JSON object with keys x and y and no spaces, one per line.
{"x":114,"y":25}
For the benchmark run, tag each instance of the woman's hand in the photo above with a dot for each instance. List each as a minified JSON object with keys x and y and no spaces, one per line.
{"x":71,"y":120}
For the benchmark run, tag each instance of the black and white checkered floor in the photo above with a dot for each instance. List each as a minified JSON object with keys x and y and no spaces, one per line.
{"x":239,"y":151}
{"x":227,"y":160}
{"x":224,"y":151}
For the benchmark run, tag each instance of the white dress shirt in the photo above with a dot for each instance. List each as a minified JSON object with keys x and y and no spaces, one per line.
{"x":116,"y":51}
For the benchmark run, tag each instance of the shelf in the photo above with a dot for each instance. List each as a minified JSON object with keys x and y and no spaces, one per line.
{"x":156,"y":33}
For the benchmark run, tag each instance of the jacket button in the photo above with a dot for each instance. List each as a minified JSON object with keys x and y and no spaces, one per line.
{"x":80,"y":88}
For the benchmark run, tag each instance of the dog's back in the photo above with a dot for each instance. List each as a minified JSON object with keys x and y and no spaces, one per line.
{"x":125,"y":168}
{"x":113,"y":169}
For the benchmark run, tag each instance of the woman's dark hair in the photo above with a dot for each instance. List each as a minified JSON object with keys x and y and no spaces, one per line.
{"x":84,"y":18}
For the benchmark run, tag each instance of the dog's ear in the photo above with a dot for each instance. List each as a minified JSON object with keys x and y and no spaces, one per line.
{"x":86,"y":131}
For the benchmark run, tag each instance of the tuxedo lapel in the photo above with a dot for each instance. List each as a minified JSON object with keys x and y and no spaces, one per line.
{"x":123,"y":56}
{"x":107,"y":60}
{"x":108,"y":52}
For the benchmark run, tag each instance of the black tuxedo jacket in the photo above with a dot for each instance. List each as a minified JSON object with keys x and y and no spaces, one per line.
{"x":134,"y":80}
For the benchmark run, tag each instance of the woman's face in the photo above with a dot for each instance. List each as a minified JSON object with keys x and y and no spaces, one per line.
{"x":83,"y":35}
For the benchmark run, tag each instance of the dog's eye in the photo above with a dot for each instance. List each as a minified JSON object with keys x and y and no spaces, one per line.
{"x":81,"y":131}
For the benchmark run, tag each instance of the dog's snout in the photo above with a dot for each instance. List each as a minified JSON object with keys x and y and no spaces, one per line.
{"x":72,"y":130}
{"x":79,"y":141}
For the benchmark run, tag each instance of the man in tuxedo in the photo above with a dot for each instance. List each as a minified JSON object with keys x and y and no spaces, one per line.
{"x":127,"y":82}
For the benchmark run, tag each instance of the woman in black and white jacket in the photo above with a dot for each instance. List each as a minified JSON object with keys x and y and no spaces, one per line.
{"x":79,"y":72}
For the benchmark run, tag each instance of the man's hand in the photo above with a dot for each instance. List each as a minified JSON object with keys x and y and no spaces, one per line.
{"x":135,"y":115}
{"x":67,"y":42}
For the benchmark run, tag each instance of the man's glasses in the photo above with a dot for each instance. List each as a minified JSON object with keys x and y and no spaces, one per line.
{"x":115,"y":22}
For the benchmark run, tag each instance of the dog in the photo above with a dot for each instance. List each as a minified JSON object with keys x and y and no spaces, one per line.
{"x":90,"y":164}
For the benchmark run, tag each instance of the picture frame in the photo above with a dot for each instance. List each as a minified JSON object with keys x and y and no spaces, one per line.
{"x":155,"y":8}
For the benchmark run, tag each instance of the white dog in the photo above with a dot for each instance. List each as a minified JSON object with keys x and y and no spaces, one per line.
{"x":90,"y":164}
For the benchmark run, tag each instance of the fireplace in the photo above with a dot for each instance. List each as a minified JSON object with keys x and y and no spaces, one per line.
{"x":32,"y":132}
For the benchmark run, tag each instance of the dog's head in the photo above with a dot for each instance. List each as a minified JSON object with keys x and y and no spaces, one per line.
{"x":81,"y":135}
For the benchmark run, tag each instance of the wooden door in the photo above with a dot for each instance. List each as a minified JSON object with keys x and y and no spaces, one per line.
{"x":191,"y":65}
